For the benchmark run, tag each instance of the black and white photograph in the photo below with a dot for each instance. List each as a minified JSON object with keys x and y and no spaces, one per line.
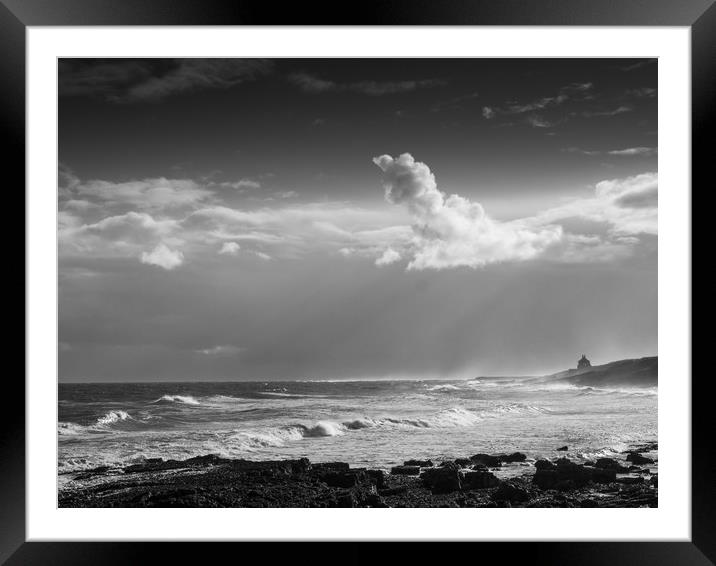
{"x":343,"y":282}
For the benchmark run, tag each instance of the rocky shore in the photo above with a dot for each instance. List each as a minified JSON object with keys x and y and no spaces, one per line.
{"x":211,"y":481}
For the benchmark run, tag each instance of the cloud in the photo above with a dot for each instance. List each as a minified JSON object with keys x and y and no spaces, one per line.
{"x":312,"y":84}
{"x":229,"y":248}
{"x":644,"y":92}
{"x":452,"y":231}
{"x":113,"y":235}
{"x":262,"y":255}
{"x":640,"y":191}
{"x":240,"y":185}
{"x":157,"y":193}
{"x":637,"y":65}
{"x":597,"y":113}
{"x":627,"y":152}
{"x":539,"y":122}
{"x":286,"y":194}
{"x":579,"y":91}
{"x":627,"y":206}
{"x":136,"y":80}
{"x":454,"y":103}
{"x":389,"y":256}
{"x":163,"y":257}
{"x":224,"y":350}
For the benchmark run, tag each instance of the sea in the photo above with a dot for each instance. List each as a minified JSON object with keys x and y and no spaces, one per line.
{"x":375,"y":424}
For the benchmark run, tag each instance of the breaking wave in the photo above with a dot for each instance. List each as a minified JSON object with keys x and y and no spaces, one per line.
{"x":184,"y":399}
{"x":103,"y":423}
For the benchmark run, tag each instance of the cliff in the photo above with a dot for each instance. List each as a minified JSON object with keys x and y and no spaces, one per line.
{"x":641,"y":372}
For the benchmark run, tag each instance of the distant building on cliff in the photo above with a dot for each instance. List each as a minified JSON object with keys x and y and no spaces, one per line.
{"x":583,"y":362}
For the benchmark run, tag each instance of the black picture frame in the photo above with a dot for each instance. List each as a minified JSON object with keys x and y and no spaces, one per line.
{"x":17,"y":15}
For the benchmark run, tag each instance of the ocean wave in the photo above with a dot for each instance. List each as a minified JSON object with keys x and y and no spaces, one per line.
{"x":184,"y":399}
{"x":102,"y":424}
{"x":70,"y":429}
{"x":113,"y":417}
{"x":445,"y":387}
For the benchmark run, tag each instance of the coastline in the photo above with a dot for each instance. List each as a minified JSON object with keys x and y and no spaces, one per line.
{"x":212,"y":481}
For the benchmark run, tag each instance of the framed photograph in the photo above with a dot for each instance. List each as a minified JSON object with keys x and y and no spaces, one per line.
{"x":406,"y":276}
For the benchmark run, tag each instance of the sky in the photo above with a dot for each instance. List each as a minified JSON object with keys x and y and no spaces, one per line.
{"x":245,"y":219}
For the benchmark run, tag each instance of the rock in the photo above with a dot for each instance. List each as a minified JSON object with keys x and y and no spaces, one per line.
{"x":544,"y":465}
{"x":630,"y":480}
{"x":445,"y":479}
{"x":350,"y":478}
{"x":514,"y":457}
{"x":208,"y":460}
{"x":610,"y":464}
{"x":510,"y":492}
{"x":565,"y":474}
{"x":486,"y":460}
{"x":654,"y":481}
{"x":375,"y":500}
{"x":637,"y":458}
{"x":377,"y":477}
{"x":331,"y":466}
{"x":479,"y":480}
{"x":421,"y":463}
{"x":571,"y":471}
{"x":463,"y":462}
{"x":563,"y":449}
{"x":602,"y":475}
{"x":399,"y":490}
{"x":345,"y":499}
{"x":546,"y":478}
{"x":405,"y":470}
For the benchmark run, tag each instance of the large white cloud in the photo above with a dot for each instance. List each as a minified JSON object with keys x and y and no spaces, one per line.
{"x":628,"y":206}
{"x":163,"y":257}
{"x":452,"y":231}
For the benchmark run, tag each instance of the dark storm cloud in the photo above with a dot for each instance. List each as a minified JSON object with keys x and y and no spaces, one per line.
{"x":313,"y":84}
{"x":152,"y":79}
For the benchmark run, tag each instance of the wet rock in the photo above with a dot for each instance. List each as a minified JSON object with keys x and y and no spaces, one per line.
{"x":630,"y":480}
{"x":331,"y":466}
{"x":514,"y":457}
{"x":610,"y":464}
{"x":565,"y":474}
{"x":377,"y":477}
{"x":445,"y":479}
{"x":421,"y":463}
{"x":405,"y":470}
{"x":486,"y":460}
{"x":375,"y":501}
{"x":350,"y":478}
{"x":398,"y":490}
{"x":602,"y":475}
{"x":546,"y":478}
{"x":654,"y":481}
{"x":510,"y":492}
{"x":637,"y":458}
{"x":563,"y":449}
{"x":544,"y":465}
{"x":479,"y":480}
{"x":346,"y":499}
{"x":463,"y":462}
